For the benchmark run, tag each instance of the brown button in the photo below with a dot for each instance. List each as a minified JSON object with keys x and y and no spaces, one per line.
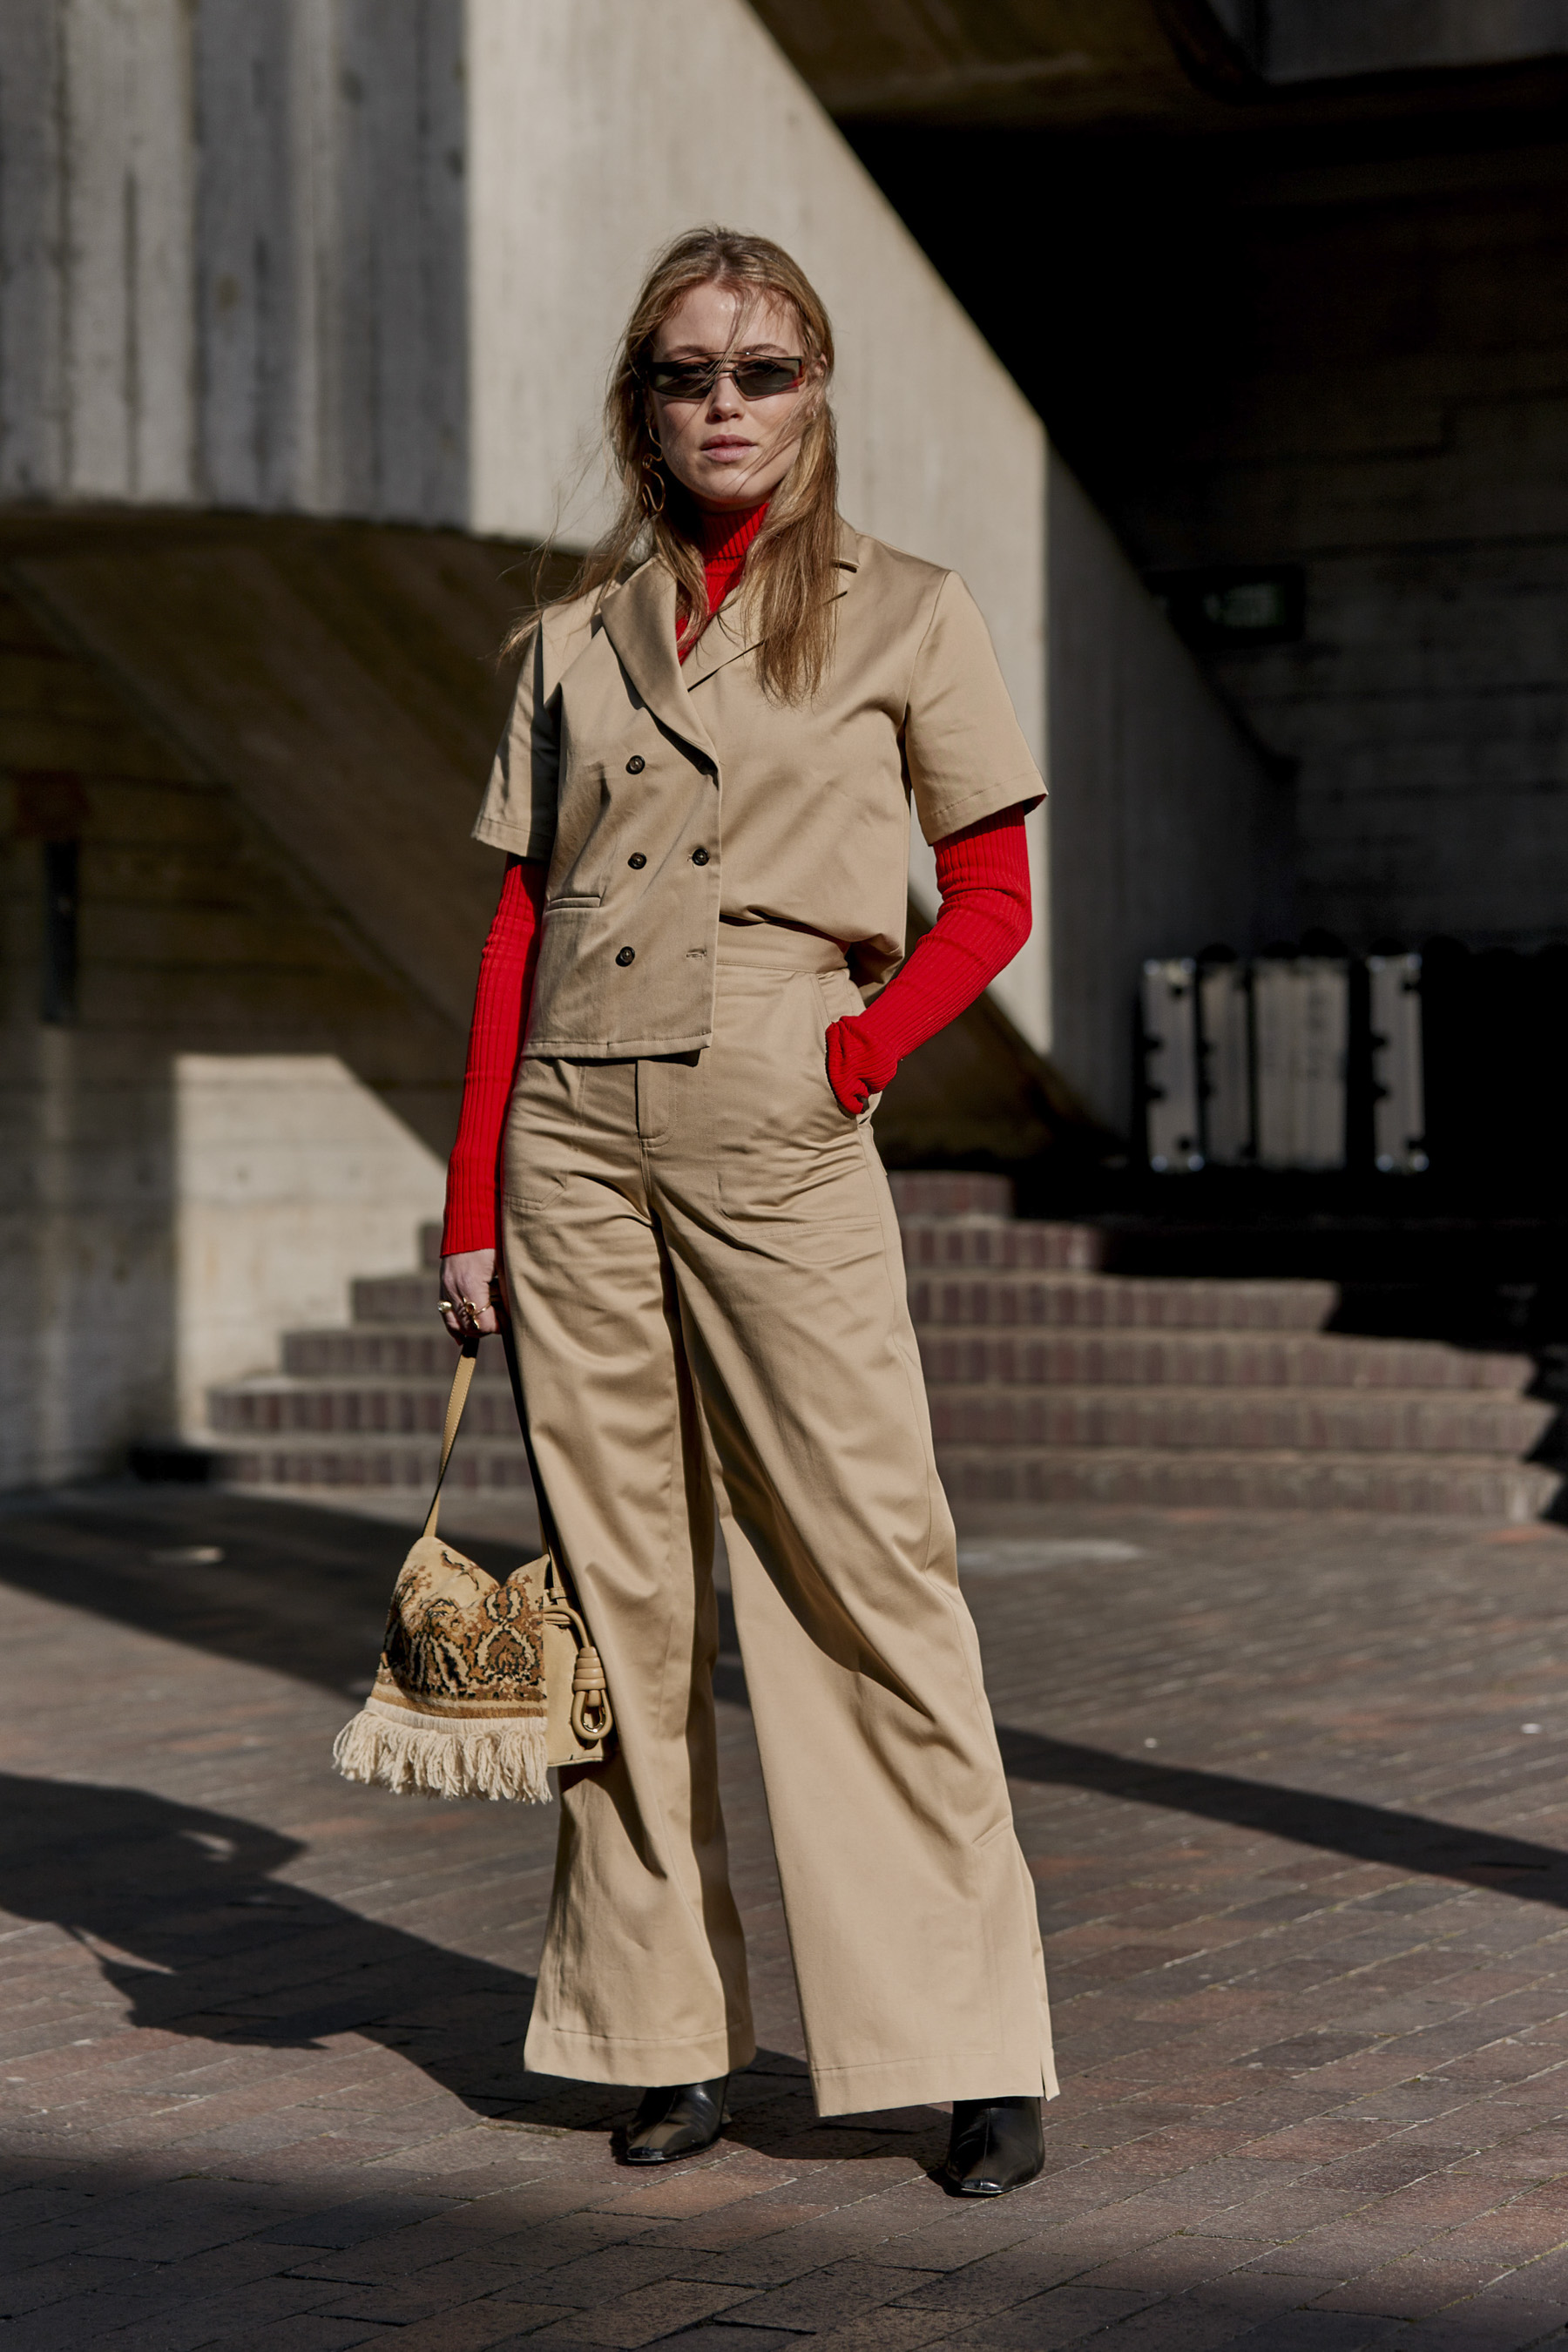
{"x":627,"y":955}
{"x":700,"y":857}
{"x":637,"y":860}
{"x":635,"y":764}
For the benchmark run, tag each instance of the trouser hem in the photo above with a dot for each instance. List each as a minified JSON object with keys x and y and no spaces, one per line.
{"x":925,"y":2082}
{"x":640,"y":2065}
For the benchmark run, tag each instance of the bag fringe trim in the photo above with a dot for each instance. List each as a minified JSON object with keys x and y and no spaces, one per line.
{"x":423,"y":1755}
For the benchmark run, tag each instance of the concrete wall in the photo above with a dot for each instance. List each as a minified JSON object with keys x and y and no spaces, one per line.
{"x":946,"y":458}
{"x":369,"y":257}
{"x":1308,"y":40}
{"x":1166,"y":836}
{"x":232,"y":241}
{"x":290,"y":1178}
{"x":1390,"y":412}
{"x":126,"y":1147}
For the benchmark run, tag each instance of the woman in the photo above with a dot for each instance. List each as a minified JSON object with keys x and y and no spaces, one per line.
{"x":703,"y":794}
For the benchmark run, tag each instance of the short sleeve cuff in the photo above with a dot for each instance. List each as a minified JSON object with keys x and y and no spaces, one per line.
{"x":1023,"y":791}
{"x":497,"y":833}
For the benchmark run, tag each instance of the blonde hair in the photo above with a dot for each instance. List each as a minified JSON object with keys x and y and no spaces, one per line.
{"x":789,"y":565}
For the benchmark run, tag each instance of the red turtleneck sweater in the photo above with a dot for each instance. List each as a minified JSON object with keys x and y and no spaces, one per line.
{"x":983,"y":875}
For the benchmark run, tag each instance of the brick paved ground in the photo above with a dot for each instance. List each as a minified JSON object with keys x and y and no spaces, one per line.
{"x":1301,"y":1877}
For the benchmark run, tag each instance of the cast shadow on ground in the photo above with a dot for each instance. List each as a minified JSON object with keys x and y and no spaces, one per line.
{"x":184,"y":1913}
{"x":298,"y":1590}
{"x":1380,"y":1833}
{"x":303,"y":1592}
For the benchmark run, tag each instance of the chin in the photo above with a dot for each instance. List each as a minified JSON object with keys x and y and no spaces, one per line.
{"x":732,"y":490}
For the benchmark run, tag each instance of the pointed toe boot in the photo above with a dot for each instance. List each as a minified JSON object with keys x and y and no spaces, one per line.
{"x":995,"y":2145}
{"x":678,"y":2119}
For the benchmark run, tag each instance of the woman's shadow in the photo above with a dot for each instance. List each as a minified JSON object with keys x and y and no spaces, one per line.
{"x":186,"y":1917}
{"x":183,"y":1912}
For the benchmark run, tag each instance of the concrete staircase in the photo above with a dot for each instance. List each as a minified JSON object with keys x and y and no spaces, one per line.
{"x":1051,"y":1381}
{"x":361,"y":1405}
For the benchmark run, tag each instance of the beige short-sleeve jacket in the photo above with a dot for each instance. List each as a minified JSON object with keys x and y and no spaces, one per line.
{"x":672,"y":800}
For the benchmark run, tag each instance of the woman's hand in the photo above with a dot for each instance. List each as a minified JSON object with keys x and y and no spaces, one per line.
{"x":856,"y":1069}
{"x":470,"y":1294}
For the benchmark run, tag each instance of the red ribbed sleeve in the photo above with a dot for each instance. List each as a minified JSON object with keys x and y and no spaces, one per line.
{"x":982,"y":875}
{"x":495,"y":1040}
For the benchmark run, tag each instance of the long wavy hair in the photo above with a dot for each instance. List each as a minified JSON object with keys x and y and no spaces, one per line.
{"x":789,"y":565}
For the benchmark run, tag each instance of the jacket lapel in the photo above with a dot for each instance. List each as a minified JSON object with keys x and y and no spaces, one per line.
{"x":639,"y":621}
{"x":734,"y":628}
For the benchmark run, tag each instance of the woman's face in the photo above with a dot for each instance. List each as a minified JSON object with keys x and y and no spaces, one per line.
{"x":727,"y":450}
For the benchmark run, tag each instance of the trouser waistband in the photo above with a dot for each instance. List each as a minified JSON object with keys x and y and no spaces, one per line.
{"x":771,"y":947}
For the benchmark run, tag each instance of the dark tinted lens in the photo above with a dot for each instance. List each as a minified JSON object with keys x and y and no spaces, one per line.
{"x":680,"y":379}
{"x":755,"y":379}
{"x":691,"y":380}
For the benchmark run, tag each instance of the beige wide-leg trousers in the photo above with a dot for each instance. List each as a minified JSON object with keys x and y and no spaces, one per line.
{"x":708,"y":1291}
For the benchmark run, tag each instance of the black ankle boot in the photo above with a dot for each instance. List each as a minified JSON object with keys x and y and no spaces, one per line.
{"x":995,"y":2145}
{"x":678,"y":2119}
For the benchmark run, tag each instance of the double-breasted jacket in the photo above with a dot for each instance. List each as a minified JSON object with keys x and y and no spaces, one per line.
{"x":672,"y":800}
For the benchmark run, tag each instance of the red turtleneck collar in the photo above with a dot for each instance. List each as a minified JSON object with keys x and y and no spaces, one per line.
{"x":726,"y":537}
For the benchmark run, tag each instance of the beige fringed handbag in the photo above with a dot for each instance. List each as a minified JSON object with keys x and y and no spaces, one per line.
{"x":482,"y":1685}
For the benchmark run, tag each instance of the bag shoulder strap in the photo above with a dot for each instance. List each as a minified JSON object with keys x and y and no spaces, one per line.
{"x":462,"y":1381}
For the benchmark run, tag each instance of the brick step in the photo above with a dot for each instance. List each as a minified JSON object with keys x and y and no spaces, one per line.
{"x":1441,"y":1487}
{"x":419,"y":1350}
{"x":1120,"y":1302}
{"x":981,"y":1239}
{"x":949,"y":1193}
{"x":1051,"y":1381}
{"x":411,"y":1298}
{"x":1067,"y":1359}
{"x":394,"y":1299}
{"x":999,"y":1243}
{"x":1224,"y":1359}
{"x":1320,"y":1421}
{"x":273,"y":1403}
{"x":298,"y":1459}
{"x":1324,"y":1419}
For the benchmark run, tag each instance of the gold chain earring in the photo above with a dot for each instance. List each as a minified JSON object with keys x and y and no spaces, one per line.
{"x":651,"y":480}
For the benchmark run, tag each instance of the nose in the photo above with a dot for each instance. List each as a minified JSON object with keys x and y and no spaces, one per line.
{"x":724,"y":400}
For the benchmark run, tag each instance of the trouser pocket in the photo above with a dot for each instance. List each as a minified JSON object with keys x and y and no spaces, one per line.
{"x":784,"y":1147}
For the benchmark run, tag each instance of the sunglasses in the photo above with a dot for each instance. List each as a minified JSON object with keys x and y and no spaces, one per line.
{"x":695,"y":379}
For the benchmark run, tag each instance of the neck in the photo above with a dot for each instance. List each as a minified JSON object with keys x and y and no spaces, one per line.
{"x":729,"y":530}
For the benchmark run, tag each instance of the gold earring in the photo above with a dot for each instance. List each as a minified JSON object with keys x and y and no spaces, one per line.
{"x":651,"y":480}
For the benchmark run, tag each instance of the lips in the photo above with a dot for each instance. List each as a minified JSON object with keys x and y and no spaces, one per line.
{"x":727,"y":449}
